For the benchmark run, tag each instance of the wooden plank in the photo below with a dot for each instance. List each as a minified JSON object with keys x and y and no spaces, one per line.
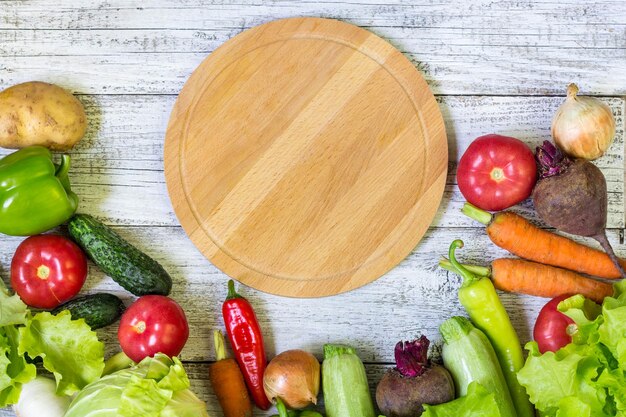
{"x":413,"y":298}
{"x":479,"y":48}
{"x":118,"y":171}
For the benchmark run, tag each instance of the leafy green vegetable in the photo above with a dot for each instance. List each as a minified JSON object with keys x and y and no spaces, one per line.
{"x":14,"y":370}
{"x":12,"y":308}
{"x":478,"y":402}
{"x":586,"y":377}
{"x":69,"y":348}
{"x":156,"y":387}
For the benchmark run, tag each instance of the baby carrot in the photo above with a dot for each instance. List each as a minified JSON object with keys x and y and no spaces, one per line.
{"x":514,"y":233}
{"x":526,"y":277}
{"x":227,"y":382}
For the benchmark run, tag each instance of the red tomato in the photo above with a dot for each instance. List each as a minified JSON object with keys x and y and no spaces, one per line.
{"x":48,"y":270}
{"x":553,"y":329}
{"x":496,"y":172}
{"x":153,"y":324}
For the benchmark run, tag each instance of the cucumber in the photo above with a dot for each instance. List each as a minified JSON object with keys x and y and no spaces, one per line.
{"x":98,"y":310}
{"x":128,"y":266}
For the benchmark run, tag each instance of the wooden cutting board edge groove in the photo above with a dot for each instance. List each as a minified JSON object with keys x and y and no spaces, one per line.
{"x":431,"y":122}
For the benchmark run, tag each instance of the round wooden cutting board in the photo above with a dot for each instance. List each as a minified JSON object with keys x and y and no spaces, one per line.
{"x":305,"y":157}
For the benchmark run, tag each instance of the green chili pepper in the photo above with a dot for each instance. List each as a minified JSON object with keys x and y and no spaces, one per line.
{"x":479,"y":298}
{"x":35,"y":193}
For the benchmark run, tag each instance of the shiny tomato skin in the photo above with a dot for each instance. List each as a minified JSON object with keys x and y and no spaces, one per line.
{"x":496,"y":172}
{"x":552,"y":329}
{"x":153,"y":324}
{"x":48,"y":270}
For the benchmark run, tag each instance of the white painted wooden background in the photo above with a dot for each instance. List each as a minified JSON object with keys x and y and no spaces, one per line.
{"x":495,"y":66}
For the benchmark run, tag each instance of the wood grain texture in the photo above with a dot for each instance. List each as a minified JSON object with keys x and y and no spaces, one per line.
{"x":305,"y":157}
{"x":527,"y":47}
{"x":121,"y":156}
{"x":493,"y":63}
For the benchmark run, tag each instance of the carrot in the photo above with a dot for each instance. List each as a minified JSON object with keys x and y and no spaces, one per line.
{"x":526,"y":277}
{"x":514,"y":233}
{"x":227,"y":382}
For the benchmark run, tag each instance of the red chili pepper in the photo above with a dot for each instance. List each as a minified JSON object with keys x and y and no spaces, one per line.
{"x":246,"y":339}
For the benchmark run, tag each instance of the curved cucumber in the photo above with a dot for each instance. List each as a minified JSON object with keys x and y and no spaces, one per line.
{"x":127,"y":265}
{"x":98,"y":310}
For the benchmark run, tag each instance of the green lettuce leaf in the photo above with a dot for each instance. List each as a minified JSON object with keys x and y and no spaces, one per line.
{"x":587,"y":377}
{"x":14,"y":370}
{"x":551,"y":377}
{"x":13,"y":311}
{"x":69,"y":348}
{"x":479,"y":402}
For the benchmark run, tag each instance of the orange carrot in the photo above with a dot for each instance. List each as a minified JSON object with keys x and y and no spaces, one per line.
{"x":514,"y":233}
{"x":227,"y":382}
{"x":526,"y":277}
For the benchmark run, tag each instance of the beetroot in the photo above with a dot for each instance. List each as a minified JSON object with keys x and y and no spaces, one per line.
{"x":413,"y":382}
{"x":570,"y":195}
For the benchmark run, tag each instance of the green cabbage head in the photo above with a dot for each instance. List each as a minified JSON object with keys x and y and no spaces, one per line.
{"x":155,"y":387}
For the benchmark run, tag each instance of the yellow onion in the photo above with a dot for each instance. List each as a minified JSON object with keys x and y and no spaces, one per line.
{"x":294,"y":377}
{"x":583,"y":127}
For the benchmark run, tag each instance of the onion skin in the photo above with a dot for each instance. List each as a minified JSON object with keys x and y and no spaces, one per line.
{"x":294,"y":377}
{"x":583,"y":127}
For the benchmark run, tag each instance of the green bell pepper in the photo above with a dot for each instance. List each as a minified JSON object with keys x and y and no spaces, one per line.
{"x":35,"y":193}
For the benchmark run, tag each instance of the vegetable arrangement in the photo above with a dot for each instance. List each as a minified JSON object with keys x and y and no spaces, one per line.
{"x":585,"y":377}
{"x":512,"y":232}
{"x":572,"y":368}
{"x":478,"y":296}
{"x":574,"y":365}
{"x":49,"y":270}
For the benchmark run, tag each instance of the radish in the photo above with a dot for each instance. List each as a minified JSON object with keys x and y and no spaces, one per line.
{"x":570,"y":195}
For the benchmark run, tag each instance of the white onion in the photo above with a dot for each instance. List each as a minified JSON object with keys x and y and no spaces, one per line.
{"x":583,"y":127}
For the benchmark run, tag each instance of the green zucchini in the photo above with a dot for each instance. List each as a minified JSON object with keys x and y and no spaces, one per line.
{"x":127,"y":265}
{"x":98,"y":310}
{"x":469,"y":356}
{"x":346,"y":392}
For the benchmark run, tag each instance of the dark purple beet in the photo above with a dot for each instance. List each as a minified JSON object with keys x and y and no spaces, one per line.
{"x":413,"y":382}
{"x":571,"y":196}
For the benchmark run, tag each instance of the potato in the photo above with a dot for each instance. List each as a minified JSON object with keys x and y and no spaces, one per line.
{"x":38,"y":113}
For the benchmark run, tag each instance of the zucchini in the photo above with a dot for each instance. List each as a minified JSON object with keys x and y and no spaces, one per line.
{"x":469,"y":356}
{"x":98,"y":310}
{"x":346,"y":392}
{"x":124,"y":263}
